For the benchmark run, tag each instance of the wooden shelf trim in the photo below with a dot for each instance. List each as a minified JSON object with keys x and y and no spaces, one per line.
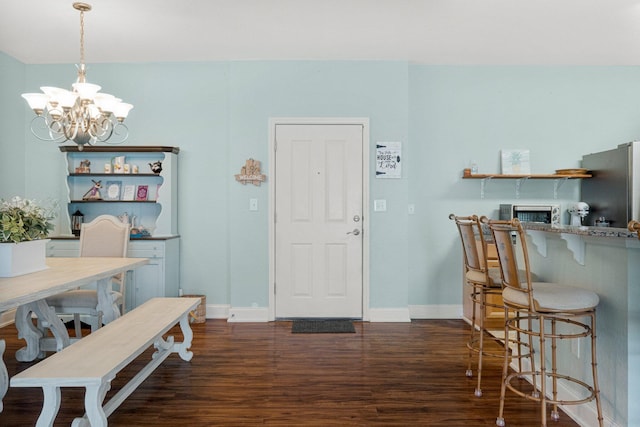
{"x":124,"y":175}
{"x":530,"y":176}
{"x":119,"y":149}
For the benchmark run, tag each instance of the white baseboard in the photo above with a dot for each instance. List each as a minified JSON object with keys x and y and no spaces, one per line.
{"x":401,"y":314}
{"x":217,"y":311}
{"x":436,"y":311}
{"x":248,"y":314}
{"x":389,"y":315}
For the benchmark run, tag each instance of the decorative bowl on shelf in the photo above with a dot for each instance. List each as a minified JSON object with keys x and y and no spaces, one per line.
{"x":575,"y":171}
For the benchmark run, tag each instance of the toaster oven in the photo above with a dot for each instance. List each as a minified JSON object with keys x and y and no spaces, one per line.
{"x":545,"y":214}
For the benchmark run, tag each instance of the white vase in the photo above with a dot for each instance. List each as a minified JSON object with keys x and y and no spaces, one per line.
{"x":21,"y":258}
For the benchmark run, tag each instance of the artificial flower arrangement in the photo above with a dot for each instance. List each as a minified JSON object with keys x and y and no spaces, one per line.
{"x":23,"y":220}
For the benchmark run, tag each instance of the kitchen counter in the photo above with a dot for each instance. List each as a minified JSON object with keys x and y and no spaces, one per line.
{"x":605,"y":260}
{"x":582,"y":230}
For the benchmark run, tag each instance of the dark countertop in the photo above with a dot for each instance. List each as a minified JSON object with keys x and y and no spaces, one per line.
{"x":582,"y":231}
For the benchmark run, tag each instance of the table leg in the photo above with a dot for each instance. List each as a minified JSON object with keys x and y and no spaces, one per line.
{"x":4,"y":375}
{"x":106,"y":303}
{"x":32,"y":335}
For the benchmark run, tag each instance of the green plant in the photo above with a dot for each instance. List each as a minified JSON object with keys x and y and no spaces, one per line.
{"x":22,"y":220}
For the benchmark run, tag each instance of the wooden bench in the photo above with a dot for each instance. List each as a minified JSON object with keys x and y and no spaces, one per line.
{"x":94,"y":361}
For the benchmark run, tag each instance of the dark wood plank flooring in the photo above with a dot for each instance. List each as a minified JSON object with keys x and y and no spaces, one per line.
{"x":391,"y":374}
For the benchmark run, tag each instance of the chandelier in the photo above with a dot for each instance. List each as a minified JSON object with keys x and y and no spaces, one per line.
{"x":81,"y":115}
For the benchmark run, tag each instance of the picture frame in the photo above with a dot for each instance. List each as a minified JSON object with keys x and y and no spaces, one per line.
{"x":142,"y":193}
{"x":113,"y":190}
{"x":515,"y":162}
{"x":129,"y":192}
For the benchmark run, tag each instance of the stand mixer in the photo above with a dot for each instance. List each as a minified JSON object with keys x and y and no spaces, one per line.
{"x":578,"y":211}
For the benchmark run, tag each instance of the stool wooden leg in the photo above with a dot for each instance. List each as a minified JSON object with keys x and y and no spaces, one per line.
{"x":543,"y":374}
{"x":594,"y":369}
{"x":469,"y":372}
{"x":483,"y":301}
{"x":532,"y":359}
{"x":505,"y":368}
{"x":555,"y":415}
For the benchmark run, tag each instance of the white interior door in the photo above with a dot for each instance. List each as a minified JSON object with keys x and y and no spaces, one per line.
{"x":318,"y":221}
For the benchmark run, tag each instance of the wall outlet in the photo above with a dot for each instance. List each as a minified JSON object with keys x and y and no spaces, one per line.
{"x":380,"y":205}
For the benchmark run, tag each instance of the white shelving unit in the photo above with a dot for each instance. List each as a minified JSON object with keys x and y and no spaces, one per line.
{"x":158,"y":213}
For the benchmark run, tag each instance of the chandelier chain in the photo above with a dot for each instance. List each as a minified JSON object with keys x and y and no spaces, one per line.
{"x":82,"y":37}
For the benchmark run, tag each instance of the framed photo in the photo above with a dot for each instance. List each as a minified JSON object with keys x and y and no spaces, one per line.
{"x":129,"y":192}
{"x":113,"y":189}
{"x":515,"y":162}
{"x":142,"y":193}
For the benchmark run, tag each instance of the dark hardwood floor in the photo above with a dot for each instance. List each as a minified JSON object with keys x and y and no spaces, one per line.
{"x":391,"y":374}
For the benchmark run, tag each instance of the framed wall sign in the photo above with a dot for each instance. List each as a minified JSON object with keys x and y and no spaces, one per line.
{"x":388,"y":157}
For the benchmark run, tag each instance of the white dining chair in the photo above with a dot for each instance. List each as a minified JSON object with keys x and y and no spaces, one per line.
{"x":105,"y":236}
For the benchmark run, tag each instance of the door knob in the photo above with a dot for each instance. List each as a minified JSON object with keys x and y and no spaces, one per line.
{"x":355,"y":232}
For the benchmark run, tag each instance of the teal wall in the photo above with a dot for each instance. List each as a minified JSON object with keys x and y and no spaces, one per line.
{"x":445,"y":116}
{"x":462,"y":113}
{"x":12,"y":153}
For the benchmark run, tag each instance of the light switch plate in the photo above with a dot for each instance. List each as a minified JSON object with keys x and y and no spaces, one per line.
{"x":253,"y":204}
{"x":380,"y":205}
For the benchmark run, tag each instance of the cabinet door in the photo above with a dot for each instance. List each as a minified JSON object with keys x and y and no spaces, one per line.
{"x":147,"y":282}
{"x":63,"y":248}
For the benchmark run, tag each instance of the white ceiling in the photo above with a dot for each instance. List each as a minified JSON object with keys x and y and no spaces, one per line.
{"x":555,"y":32}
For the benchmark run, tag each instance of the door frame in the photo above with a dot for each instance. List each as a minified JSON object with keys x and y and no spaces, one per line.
{"x":364,"y":122}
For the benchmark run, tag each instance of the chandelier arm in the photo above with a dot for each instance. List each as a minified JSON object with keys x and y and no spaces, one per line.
{"x":51,"y":138}
{"x":116,"y":130}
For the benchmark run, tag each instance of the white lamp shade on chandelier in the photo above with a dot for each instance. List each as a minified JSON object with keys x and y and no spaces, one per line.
{"x":83,"y":114}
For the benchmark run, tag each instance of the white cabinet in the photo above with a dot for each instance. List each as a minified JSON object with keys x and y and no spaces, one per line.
{"x":159,"y":278}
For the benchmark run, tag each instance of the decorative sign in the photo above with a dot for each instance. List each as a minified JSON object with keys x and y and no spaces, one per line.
{"x":250,"y":173}
{"x":388,"y":160}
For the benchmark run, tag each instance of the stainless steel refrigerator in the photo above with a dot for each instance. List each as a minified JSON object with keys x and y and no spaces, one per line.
{"x":614,"y":190}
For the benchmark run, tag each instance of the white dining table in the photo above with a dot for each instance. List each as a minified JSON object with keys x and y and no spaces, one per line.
{"x":28,"y":293}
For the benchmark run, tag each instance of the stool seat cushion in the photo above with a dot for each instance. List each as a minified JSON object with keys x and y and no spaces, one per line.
{"x":480,"y":278}
{"x":553,"y":296}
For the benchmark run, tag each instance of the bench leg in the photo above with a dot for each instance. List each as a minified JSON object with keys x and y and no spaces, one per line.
{"x":50,"y":406}
{"x":183,"y":348}
{"x":95,"y":415}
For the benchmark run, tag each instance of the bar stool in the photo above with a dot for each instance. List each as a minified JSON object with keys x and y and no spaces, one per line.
{"x":484,"y":281}
{"x":569,"y":312}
